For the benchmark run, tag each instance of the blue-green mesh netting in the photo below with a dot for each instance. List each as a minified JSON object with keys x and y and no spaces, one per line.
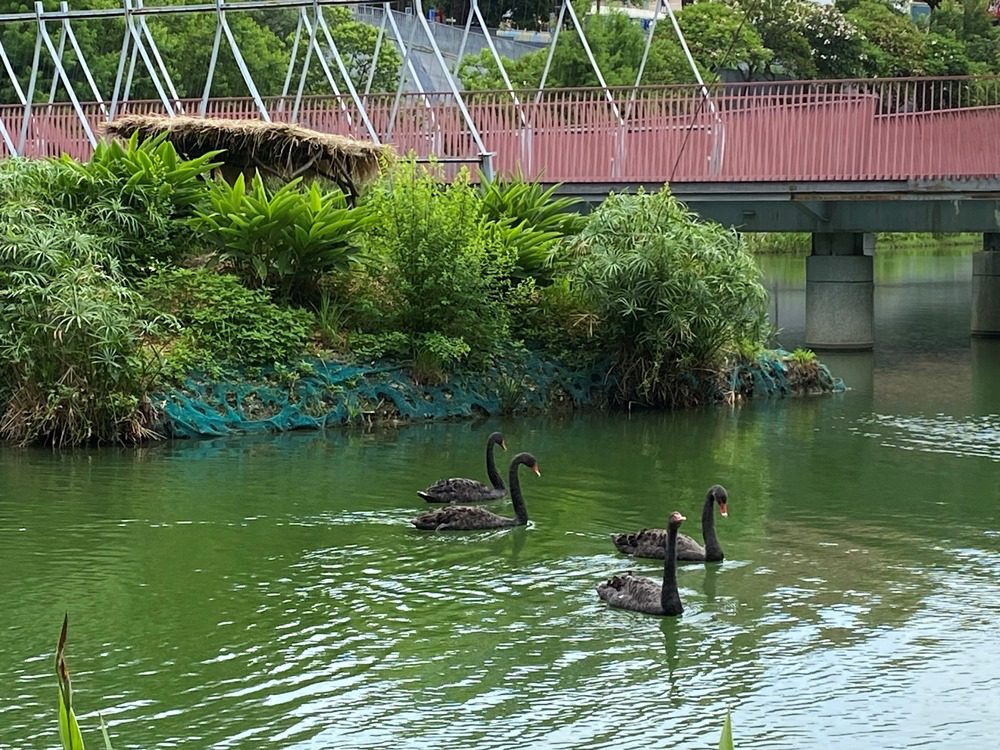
{"x":327,"y":393}
{"x":333,"y":393}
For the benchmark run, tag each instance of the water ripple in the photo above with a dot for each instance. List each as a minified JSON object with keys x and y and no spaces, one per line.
{"x":941,"y":433}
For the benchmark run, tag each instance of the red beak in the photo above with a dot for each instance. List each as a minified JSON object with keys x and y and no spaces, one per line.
{"x":723,"y":510}
{"x":538,"y":472}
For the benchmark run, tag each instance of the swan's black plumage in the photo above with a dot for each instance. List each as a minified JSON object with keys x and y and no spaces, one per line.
{"x":652,"y":542}
{"x":629,"y":591}
{"x":464,"y":517}
{"x":462,"y":490}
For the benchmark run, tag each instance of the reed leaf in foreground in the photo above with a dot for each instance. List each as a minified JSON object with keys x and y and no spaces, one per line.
{"x":69,"y":730}
{"x":726,"y":741}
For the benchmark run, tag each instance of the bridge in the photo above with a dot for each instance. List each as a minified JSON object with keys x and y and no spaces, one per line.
{"x":839,"y":159}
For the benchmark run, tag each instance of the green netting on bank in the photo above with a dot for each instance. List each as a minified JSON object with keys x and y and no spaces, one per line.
{"x":334,"y":393}
{"x":329,"y":393}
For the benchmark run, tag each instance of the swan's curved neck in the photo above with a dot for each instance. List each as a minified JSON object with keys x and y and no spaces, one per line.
{"x":516,"y":498}
{"x":491,"y":467}
{"x":713,"y":550}
{"x":670,"y":600}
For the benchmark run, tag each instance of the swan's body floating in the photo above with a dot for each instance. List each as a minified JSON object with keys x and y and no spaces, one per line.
{"x":463,"y":517}
{"x":652,"y":542}
{"x":462,"y":490}
{"x":629,"y":591}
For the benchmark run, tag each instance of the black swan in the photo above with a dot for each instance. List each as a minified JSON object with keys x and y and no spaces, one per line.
{"x":650,"y":542}
{"x":463,"y":517}
{"x":461,"y":490}
{"x":629,"y":591}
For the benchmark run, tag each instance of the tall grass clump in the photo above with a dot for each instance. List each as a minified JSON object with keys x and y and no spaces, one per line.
{"x":437,"y":271}
{"x":675,"y":296}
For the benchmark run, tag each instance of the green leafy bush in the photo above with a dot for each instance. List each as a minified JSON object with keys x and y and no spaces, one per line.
{"x":674,"y":294}
{"x":532,"y":221}
{"x":283,"y":240}
{"x":435,"y":267}
{"x":224,"y":324}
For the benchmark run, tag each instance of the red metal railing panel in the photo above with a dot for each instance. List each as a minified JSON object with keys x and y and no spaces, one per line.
{"x":927,"y":128}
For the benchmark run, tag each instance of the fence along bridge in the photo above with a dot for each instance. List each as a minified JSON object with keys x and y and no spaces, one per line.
{"x":840,"y":159}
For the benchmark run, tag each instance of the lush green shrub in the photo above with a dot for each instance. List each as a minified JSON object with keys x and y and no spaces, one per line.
{"x":437,"y":270}
{"x":284,"y":239}
{"x":224,"y":324}
{"x":532,"y":221}
{"x":73,"y":363}
{"x":674,"y":295}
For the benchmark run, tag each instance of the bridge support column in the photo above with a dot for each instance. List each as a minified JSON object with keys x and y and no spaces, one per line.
{"x":840,"y":292}
{"x":986,"y":287}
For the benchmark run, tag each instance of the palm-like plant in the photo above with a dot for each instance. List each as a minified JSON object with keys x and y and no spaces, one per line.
{"x":283,"y":240}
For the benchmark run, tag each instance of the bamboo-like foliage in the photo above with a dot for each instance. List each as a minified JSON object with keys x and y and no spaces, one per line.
{"x":73,"y":366}
{"x":674,"y":295}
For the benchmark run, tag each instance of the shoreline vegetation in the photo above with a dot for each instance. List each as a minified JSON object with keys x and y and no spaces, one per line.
{"x":143,"y":295}
{"x":899,"y":243}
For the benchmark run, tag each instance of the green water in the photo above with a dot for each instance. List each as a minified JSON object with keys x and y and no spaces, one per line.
{"x":268,"y":593}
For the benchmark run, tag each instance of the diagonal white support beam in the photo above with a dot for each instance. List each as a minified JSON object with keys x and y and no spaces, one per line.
{"x":61,"y":72}
{"x":321,"y":21}
{"x":64,"y":6}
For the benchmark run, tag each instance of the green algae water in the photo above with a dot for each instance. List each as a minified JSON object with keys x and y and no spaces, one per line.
{"x":267,"y":592}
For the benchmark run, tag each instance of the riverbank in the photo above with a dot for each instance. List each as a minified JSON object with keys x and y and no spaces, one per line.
{"x":319,"y":394}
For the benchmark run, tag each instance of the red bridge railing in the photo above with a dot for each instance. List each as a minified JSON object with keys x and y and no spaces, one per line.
{"x":928,"y":128}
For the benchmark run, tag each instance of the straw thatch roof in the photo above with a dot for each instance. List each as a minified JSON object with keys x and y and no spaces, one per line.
{"x":285,"y":150}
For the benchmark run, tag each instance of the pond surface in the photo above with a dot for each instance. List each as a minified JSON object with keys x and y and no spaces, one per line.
{"x":269,"y":592}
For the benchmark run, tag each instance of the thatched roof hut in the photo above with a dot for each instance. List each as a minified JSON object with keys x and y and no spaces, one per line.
{"x":284,"y":150}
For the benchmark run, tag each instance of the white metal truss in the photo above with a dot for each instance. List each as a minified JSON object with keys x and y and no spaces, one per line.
{"x":138,"y":43}
{"x":314,"y":32}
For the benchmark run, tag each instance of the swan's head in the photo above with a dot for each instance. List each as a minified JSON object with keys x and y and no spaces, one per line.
{"x":528,"y":460}
{"x":497,"y":439}
{"x":718,"y":493}
{"x":676,"y":519}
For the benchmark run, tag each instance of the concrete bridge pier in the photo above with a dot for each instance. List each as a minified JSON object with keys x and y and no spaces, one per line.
{"x":840,"y":291}
{"x":986,"y":287}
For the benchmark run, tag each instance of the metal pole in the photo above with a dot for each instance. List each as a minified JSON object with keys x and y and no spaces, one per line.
{"x":133,"y":57}
{"x":60,"y":71}
{"x":473,"y":130}
{"x":55,"y":74}
{"x":30,"y":96}
{"x":141,"y":48}
{"x":116,"y":90}
{"x":10,"y":74}
{"x":719,"y":143}
{"x":144,"y":29}
{"x":210,"y":75}
{"x":645,"y":57}
{"x":552,"y":50}
{"x":465,"y":37}
{"x":305,"y":66}
{"x":6,"y":139}
{"x":394,"y":110}
{"x":330,"y":77}
{"x":593,"y":60}
{"x":64,"y":6}
{"x":240,"y":62}
{"x":499,"y":61}
{"x":291,"y":62}
{"x":321,"y":19}
{"x":375,"y":54}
